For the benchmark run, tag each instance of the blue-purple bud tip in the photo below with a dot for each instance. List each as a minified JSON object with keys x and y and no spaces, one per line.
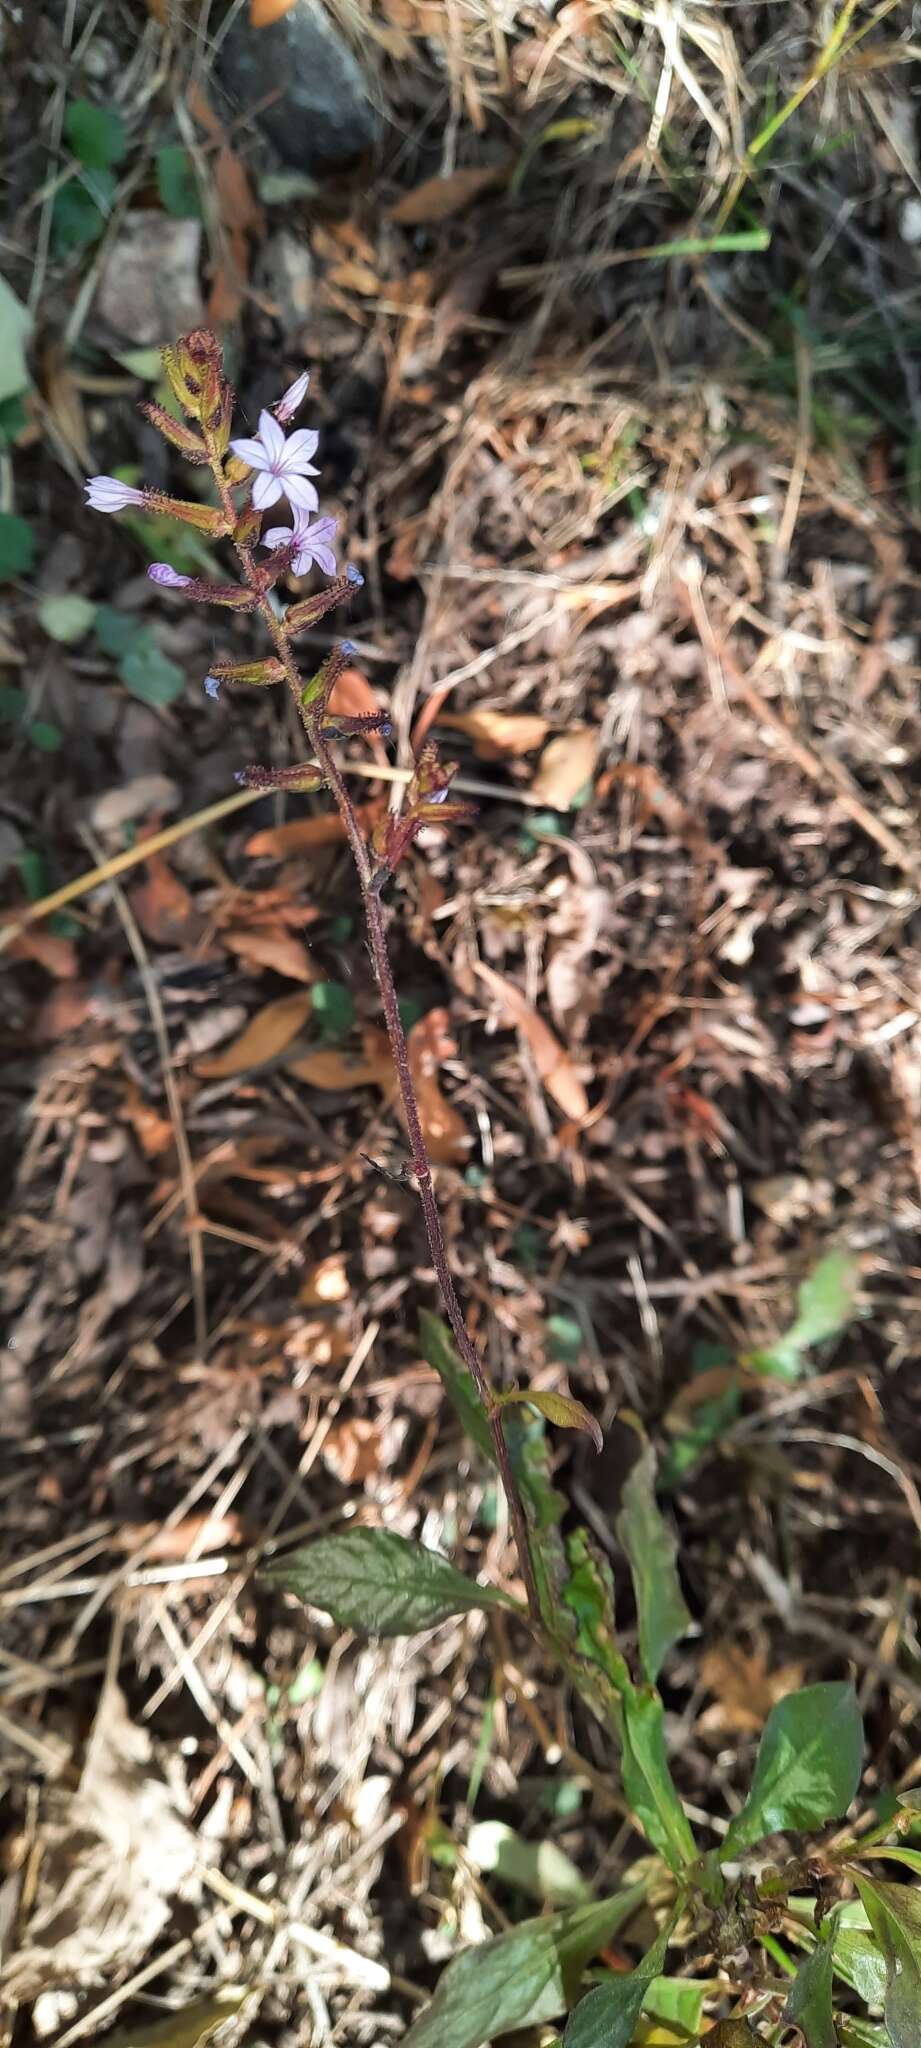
{"x":241,"y":775}
{"x":212,"y":686}
{"x":347,"y":647}
{"x":355,"y":576}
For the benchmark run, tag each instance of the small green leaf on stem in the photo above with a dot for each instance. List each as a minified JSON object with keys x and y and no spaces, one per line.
{"x":380,"y":1583}
{"x":560,"y":1409}
{"x":648,"y":1781}
{"x":809,"y":2003}
{"x":95,"y":134}
{"x":894,"y":1913}
{"x":437,"y":1347}
{"x":808,"y":1765}
{"x":607,"y":2016}
{"x":651,"y":1548}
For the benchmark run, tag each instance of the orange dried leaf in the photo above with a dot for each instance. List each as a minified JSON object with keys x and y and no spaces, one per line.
{"x":163,"y":907}
{"x":496,"y":734}
{"x":560,"y":1409}
{"x":274,"y":948}
{"x":554,"y":1066}
{"x":447,"y":1138}
{"x":266,"y":1035}
{"x":567,"y":764}
{"x":333,"y":1071}
{"x":441,"y":198}
{"x":744,"y":1689}
{"x":263,"y":12}
{"x":352,"y":696}
{"x":56,"y":955}
{"x":302,"y":835}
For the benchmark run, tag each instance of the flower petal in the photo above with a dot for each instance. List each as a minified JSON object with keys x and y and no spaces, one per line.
{"x":278,"y":536}
{"x":251,"y":452}
{"x":293,"y":398}
{"x":299,"y":493}
{"x":325,"y":559}
{"x":266,"y":491}
{"x":272,"y":437}
{"x":299,"y":448}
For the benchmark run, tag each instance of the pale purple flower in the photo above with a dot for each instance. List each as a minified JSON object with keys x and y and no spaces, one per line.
{"x":107,"y":494}
{"x":313,"y":543}
{"x":212,"y":686}
{"x":167,"y":577}
{"x":283,"y":463}
{"x":293,"y":399}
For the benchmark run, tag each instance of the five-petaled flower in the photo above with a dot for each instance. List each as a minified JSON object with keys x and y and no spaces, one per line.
{"x":107,"y":494}
{"x":292,"y":399}
{"x":313,"y":542}
{"x":283,"y":464}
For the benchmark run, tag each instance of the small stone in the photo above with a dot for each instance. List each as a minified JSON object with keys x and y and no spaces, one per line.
{"x":116,"y":808}
{"x":299,"y":82}
{"x":149,"y":291}
{"x":285,"y":274}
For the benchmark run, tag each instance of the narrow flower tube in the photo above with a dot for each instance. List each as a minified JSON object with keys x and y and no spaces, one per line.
{"x":107,"y":494}
{"x":236,"y":595}
{"x":309,"y":610}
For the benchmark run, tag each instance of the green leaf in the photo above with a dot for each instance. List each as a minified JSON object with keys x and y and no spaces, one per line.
{"x":80,"y":210}
{"x":858,"y":1959}
{"x":651,"y":1548}
{"x":607,"y":2017}
{"x":116,"y":631}
{"x":95,"y":134}
{"x":678,"y":2002}
{"x":707,"y":1420}
{"x":17,"y":546}
{"x":809,"y":2002}
{"x":544,"y":1509}
{"x":557,"y":1408}
{"x":187,"y":2027}
{"x":648,"y":1782}
{"x":12,"y":703}
{"x":565,"y":1339}
{"x":66,"y":618}
{"x":856,"y":2033}
{"x":148,"y":673}
{"x":334,"y":1009}
{"x":44,"y":736}
{"x":15,"y":329}
{"x":438,"y":1351}
{"x":177,"y":183}
{"x":13,"y":414}
{"x":808,"y":1765}
{"x":539,"y":1869}
{"x":522,"y":1979}
{"x":825,"y":1304}
{"x":894,"y":1913}
{"x":380,"y":1583}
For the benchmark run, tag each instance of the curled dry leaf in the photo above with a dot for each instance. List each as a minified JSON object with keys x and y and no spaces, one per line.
{"x":567,"y":764}
{"x":303,"y":835}
{"x":496,"y":734}
{"x":58,"y":956}
{"x":266,"y":1035}
{"x":446,"y":1135}
{"x":560,"y":1409}
{"x":163,"y":907}
{"x":554,"y":1066}
{"x":744,"y":1689}
{"x":441,"y":198}
{"x":331,"y":1069}
{"x":275,"y":948}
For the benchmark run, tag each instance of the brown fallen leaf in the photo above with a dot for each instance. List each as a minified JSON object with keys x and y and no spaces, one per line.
{"x":447,"y":1138}
{"x":266,"y":1035}
{"x":329,"y":1069}
{"x":163,"y":907}
{"x":154,"y":1132}
{"x":496,"y":734}
{"x":64,"y":1009}
{"x":302,"y":835}
{"x":745,"y":1689}
{"x":273,"y":947}
{"x":566,"y":765}
{"x":553,"y":1064}
{"x":263,"y":12}
{"x":353,"y":1449}
{"x":440,"y":199}
{"x":58,"y":956}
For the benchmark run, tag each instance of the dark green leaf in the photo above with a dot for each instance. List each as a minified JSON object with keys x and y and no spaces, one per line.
{"x":80,"y":210}
{"x":177,"y":183}
{"x":706,"y":1420}
{"x":12,"y":703}
{"x":607,"y":2017}
{"x":894,"y":1913}
{"x":589,"y":1596}
{"x":809,"y":2002}
{"x":33,"y":868}
{"x":334,"y":1009}
{"x":380,"y":1583}
{"x":13,"y":417}
{"x":95,"y":134}
{"x":648,"y":1782}
{"x":116,"y":631}
{"x":858,"y":1959}
{"x":522,"y":1979}
{"x":44,"y":736}
{"x":651,"y":1548}
{"x":438,"y":1350}
{"x":544,"y":1509}
{"x":17,"y":546}
{"x":808,"y":1765}
{"x":149,"y":674}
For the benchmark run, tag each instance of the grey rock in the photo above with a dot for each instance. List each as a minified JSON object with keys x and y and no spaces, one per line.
{"x":149,"y":290}
{"x":317,"y":113}
{"x":285,"y":273}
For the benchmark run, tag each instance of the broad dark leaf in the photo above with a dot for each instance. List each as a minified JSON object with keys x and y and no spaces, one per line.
{"x":648,"y":1782}
{"x":809,"y":2003}
{"x":380,"y":1583}
{"x":894,"y":1913}
{"x":651,"y":1548}
{"x":607,"y":2016}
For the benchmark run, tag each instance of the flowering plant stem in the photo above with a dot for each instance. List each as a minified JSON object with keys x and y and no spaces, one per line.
{"x":311,"y":717}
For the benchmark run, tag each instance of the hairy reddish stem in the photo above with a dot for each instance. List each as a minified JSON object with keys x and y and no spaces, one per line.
{"x":311,"y":719}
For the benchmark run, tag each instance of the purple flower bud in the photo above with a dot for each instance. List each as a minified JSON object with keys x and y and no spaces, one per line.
{"x":292,"y":399}
{"x":167,"y":577}
{"x":241,"y":775}
{"x":107,"y":494}
{"x":212,"y":686}
{"x":354,"y":576}
{"x":437,"y":796}
{"x":347,"y":647}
